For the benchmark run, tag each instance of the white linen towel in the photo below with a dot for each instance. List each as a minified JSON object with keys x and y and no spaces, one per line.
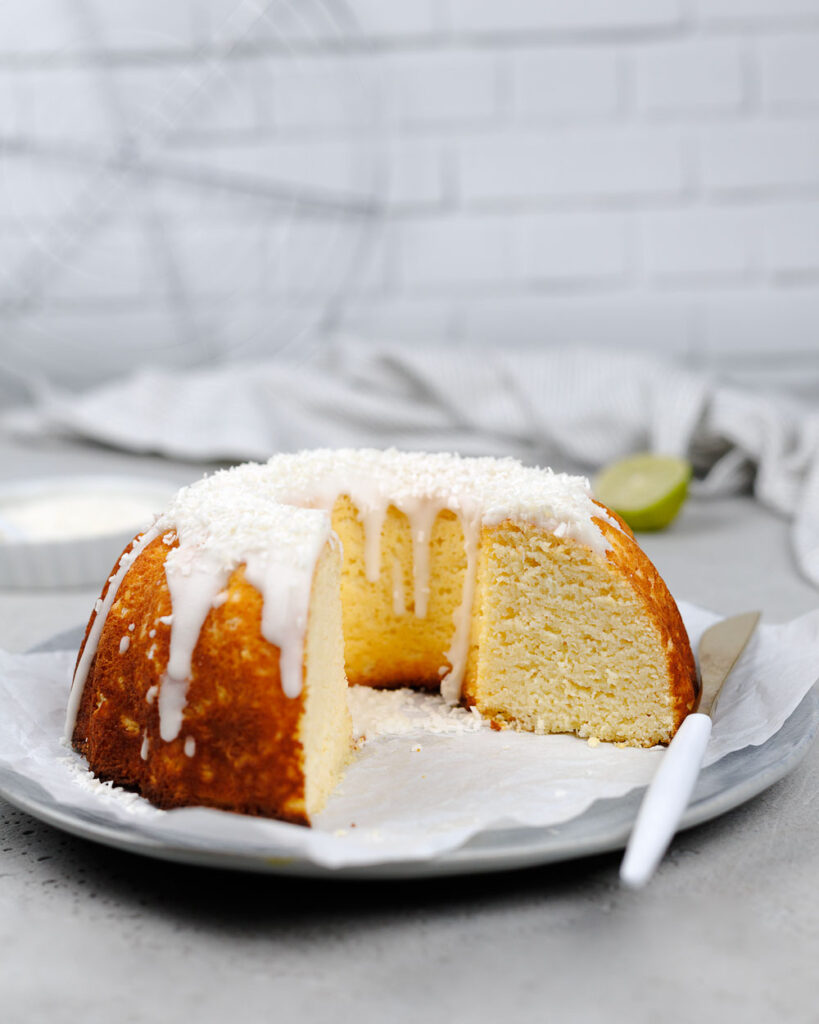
{"x":582,"y":407}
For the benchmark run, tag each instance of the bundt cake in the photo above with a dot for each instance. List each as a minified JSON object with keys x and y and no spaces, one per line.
{"x":215,"y":665}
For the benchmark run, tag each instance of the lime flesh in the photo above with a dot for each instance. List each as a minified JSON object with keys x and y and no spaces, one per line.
{"x":646,"y":490}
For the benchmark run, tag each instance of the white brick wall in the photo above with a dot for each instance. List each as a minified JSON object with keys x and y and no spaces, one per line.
{"x":450,"y":254}
{"x":790,"y":239}
{"x":712,"y":243}
{"x":572,"y":164}
{"x":764,"y":155}
{"x":696,"y":75}
{"x":591,"y":248}
{"x":557,"y":15}
{"x":436,"y":88}
{"x":790,"y":72}
{"x":188,"y":180}
{"x":569,"y":82}
{"x":767,"y":13}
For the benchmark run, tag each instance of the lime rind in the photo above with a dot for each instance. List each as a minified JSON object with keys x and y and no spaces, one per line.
{"x":646,"y":490}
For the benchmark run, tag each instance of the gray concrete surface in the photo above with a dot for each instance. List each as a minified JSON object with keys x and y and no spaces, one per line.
{"x":727,"y":931}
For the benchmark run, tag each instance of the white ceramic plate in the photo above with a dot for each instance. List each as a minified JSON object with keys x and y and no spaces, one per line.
{"x":604,"y":827}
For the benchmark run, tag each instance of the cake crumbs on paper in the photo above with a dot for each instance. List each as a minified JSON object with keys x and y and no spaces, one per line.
{"x":417,"y":748}
{"x":593,"y":741}
{"x":404,"y":711}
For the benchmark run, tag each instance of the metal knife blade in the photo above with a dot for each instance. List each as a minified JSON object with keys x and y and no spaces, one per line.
{"x":719,"y":650}
{"x":670,"y":790}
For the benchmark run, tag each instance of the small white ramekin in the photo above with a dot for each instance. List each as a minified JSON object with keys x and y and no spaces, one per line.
{"x":73,"y":561}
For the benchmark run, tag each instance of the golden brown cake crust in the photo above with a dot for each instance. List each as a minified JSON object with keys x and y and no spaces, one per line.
{"x":661,"y":608}
{"x":247,"y":755}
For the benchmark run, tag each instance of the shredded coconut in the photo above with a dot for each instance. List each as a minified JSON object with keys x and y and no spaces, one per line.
{"x":400,"y":712}
{"x":107,"y":792}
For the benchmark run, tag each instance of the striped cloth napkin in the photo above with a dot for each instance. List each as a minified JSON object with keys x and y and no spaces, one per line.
{"x":579,"y":409}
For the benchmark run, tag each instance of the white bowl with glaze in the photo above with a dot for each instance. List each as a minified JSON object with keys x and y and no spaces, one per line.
{"x":72,"y":555}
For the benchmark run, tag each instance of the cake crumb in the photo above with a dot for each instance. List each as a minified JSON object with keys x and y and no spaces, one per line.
{"x":593,"y":741}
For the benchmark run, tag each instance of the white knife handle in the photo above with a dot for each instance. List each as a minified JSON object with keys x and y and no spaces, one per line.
{"x":665,"y":801}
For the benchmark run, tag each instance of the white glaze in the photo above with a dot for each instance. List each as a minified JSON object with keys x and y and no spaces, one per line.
{"x":90,"y":649}
{"x":220,"y":528}
{"x":194,"y":578}
{"x":422,"y":513}
{"x":373,"y":520}
{"x":459,"y":648}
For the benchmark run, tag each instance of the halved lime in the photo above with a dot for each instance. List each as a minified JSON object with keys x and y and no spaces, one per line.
{"x":646,"y":490}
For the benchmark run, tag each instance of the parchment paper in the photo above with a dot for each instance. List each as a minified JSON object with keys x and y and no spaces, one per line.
{"x":430,"y":780}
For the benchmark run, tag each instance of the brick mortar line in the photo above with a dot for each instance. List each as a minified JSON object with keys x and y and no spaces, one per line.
{"x":468,"y":129}
{"x":435,"y":42}
{"x":153,"y":302}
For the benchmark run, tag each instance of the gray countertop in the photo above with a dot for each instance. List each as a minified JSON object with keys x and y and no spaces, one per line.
{"x":726,"y":931}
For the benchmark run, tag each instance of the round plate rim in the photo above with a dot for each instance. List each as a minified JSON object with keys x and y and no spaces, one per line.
{"x":496,"y":850}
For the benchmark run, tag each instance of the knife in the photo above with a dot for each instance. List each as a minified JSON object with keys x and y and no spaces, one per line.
{"x":670,"y":790}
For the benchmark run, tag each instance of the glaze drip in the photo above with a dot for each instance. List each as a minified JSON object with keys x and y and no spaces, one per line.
{"x":459,"y":649}
{"x":194,"y":580}
{"x":422,"y":515}
{"x":100,"y":615}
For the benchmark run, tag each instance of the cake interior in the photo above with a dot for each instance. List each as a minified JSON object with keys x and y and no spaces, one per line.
{"x":325,"y":727}
{"x":562,"y":643}
{"x":399,"y":626}
{"x":559,"y":641}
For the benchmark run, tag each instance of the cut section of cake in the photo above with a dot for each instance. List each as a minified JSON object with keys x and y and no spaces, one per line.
{"x":564,"y":640}
{"x":214,"y":677}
